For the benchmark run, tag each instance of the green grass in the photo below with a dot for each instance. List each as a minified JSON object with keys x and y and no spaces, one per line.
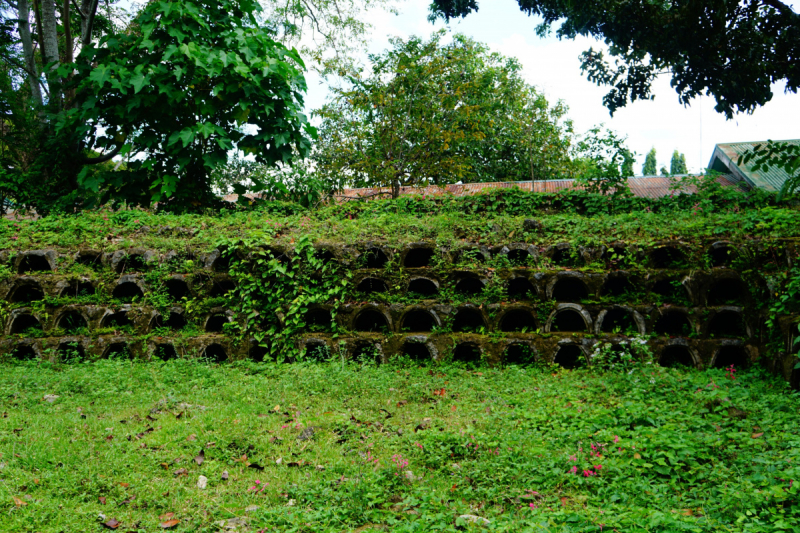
{"x":679,"y":450}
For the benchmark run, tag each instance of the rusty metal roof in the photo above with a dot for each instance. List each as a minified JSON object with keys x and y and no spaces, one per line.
{"x":726,"y":156}
{"x":646,"y":187}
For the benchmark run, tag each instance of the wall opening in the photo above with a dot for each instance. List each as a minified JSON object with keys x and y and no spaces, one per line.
{"x":469,"y":286}
{"x":418,"y":258}
{"x":731,"y":355}
{"x":89,"y":258}
{"x":72,"y":321}
{"x":619,"y":320}
{"x":177,"y":289}
{"x":116,"y":320}
{"x":131,"y":263}
{"x":371,"y":320}
{"x":519,"y":354}
{"x":727,"y":291}
{"x":318,"y":319}
{"x":221,"y":264}
{"x":568,"y":320}
{"x":175,"y":321}
{"x":258,"y":353}
{"x":617,"y":286}
{"x":127,"y":291}
{"x":215,"y":353}
{"x":518,"y":320}
{"x":570,"y":290}
{"x":324,"y":256}
{"x":721,"y":255}
{"x":416,"y":351}
{"x":467,"y":352}
{"x":564,"y":256}
{"x":518,"y":257}
{"x":366,"y":353}
{"x":317,"y":351}
{"x":468,"y":319}
{"x":28,"y":291}
{"x":472,"y":255}
{"x":676,"y":355}
{"x":521,"y":289}
{"x":75,"y":290}
{"x":165,"y":352}
{"x":120,"y":350}
{"x":221,"y":287}
{"x":34,"y":263}
{"x":614,"y":254}
{"x":423,"y":287}
{"x":23,"y":352}
{"x":216,"y":322}
{"x":417,"y":320}
{"x":666,"y":257}
{"x":570,"y":356}
{"x":376,"y":258}
{"x":70,"y":351}
{"x":671,"y":290}
{"x":372,"y":285}
{"x":727,"y":324}
{"x":24,"y":322}
{"x":674,"y":323}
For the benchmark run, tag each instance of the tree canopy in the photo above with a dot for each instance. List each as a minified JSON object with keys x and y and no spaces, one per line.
{"x":733,"y":50}
{"x":435,"y":113}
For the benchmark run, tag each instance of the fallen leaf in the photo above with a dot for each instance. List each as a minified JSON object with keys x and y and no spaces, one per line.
{"x":112,"y":523}
{"x":756,"y":435}
{"x":124,"y":485}
{"x":181,"y":472}
{"x":200,"y":457}
{"x":179,"y":415}
{"x":564,"y":501}
{"x":439,"y":392}
{"x":193,"y":436}
{"x":18,"y":502}
{"x":170,"y":523}
{"x":401,"y":403}
{"x":637,"y":456}
{"x":166,"y":516}
{"x":102,"y":500}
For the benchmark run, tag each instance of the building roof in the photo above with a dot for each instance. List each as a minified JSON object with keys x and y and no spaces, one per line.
{"x":725,"y":158}
{"x":646,"y":186}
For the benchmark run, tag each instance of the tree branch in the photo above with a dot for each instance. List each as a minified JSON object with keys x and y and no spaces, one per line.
{"x":103,"y":158}
{"x":779,"y":6}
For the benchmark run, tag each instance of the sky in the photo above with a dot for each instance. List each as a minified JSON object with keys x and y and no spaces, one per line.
{"x":553,"y":66}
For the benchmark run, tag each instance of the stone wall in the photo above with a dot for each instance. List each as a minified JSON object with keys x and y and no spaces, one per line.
{"x":701,"y":304}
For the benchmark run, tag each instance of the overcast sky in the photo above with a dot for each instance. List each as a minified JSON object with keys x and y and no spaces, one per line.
{"x":553,"y":66}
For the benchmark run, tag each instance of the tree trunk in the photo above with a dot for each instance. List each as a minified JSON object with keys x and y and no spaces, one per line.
{"x":27,"y":51}
{"x":50,"y":51}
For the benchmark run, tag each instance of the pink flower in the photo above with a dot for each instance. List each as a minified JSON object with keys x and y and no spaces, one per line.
{"x":573,"y":458}
{"x":598,"y":467}
{"x":587,"y":473}
{"x":573,"y":470}
{"x":616,"y":439}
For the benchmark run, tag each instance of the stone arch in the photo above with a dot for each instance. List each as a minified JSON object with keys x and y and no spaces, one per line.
{"x":423,"y":287}
{"x":569,"y":318}
{"x":568,"y":289}
{"x":617,"y":284}
{"x":118,"y":349}
{"x":71,"y":321}
{"x":127,"y":289}
{"x":375,"y":257}
{"x":24,"y":352}
{"x":366,"y":352}
{"x":77,"y":288}
{"x":673,"y":322}
{"x":727,"y":323}
{"x":371,"y":319}
{"x":667,"y":256}
{"x":469,"y":286}
{"x":562,"y":255}
{"x":215,"y":353}
{"x":727,"y":290}
{"x":37,"y":261}
{"x":418,"y":320}
{"x":520,"y":288}
{"x":221,"y":287}
{"x":677,"y":354}
{"x":622,"y":317}
{"x":318,"y":319}
{"x":177,"y":288}
{"x":71,"y":350}
{"x":519,"y":353}
{"x":127,"y":262}
{"x":90,"y":258}
{"x":165,"y":351}
{"x":722,"y":254}
{"x":418,"y":350}
{"x":468,"y":319}
{"x":22,"y":322}
{"x":731,"y":354}
{"x":418,"y":257}
{"x":116,"y":319}
{"x":26,"y":290}
{"x":372,"y":285}
{"x":671,"y":289}
{"x":517,"y":319}
{"x":467,"y":352}
{"x":215,"y":323}
{"x":569,"y":356}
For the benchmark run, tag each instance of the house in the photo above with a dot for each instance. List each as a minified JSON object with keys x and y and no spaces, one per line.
{"x":725,"y":160}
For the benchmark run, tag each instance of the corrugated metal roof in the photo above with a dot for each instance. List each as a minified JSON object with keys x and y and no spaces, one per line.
{"x":771,"y":180}
{"x":647,"y":187}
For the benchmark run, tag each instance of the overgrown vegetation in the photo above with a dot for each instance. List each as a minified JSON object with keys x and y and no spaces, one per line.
{"x":332,"y":447}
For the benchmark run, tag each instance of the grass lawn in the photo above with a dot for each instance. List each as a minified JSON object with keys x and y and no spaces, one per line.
{"x":326,"y":447}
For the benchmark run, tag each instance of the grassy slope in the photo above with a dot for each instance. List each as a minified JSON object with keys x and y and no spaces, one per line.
{"x":678,"y":449}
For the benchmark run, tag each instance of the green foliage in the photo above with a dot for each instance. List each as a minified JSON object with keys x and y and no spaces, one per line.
{"x":430,"y":113}
{"x":530,"y":449}
{"x":223,"y":82}
{"x":603,"y":163}
{"x":649,"y":168}
{"x":720,"y":64}
{"x":677,"y":165}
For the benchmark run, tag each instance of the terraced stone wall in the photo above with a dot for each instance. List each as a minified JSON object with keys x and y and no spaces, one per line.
{"x":700,"y":304}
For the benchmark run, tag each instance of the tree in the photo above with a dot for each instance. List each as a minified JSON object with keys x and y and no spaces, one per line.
{"x":602,"y":163}
{"x":431,"y":113}
{"x":649,"y":168}
{"x":183,"y":84}
{"x":732,"y":50}
{"x":677,"y":166}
